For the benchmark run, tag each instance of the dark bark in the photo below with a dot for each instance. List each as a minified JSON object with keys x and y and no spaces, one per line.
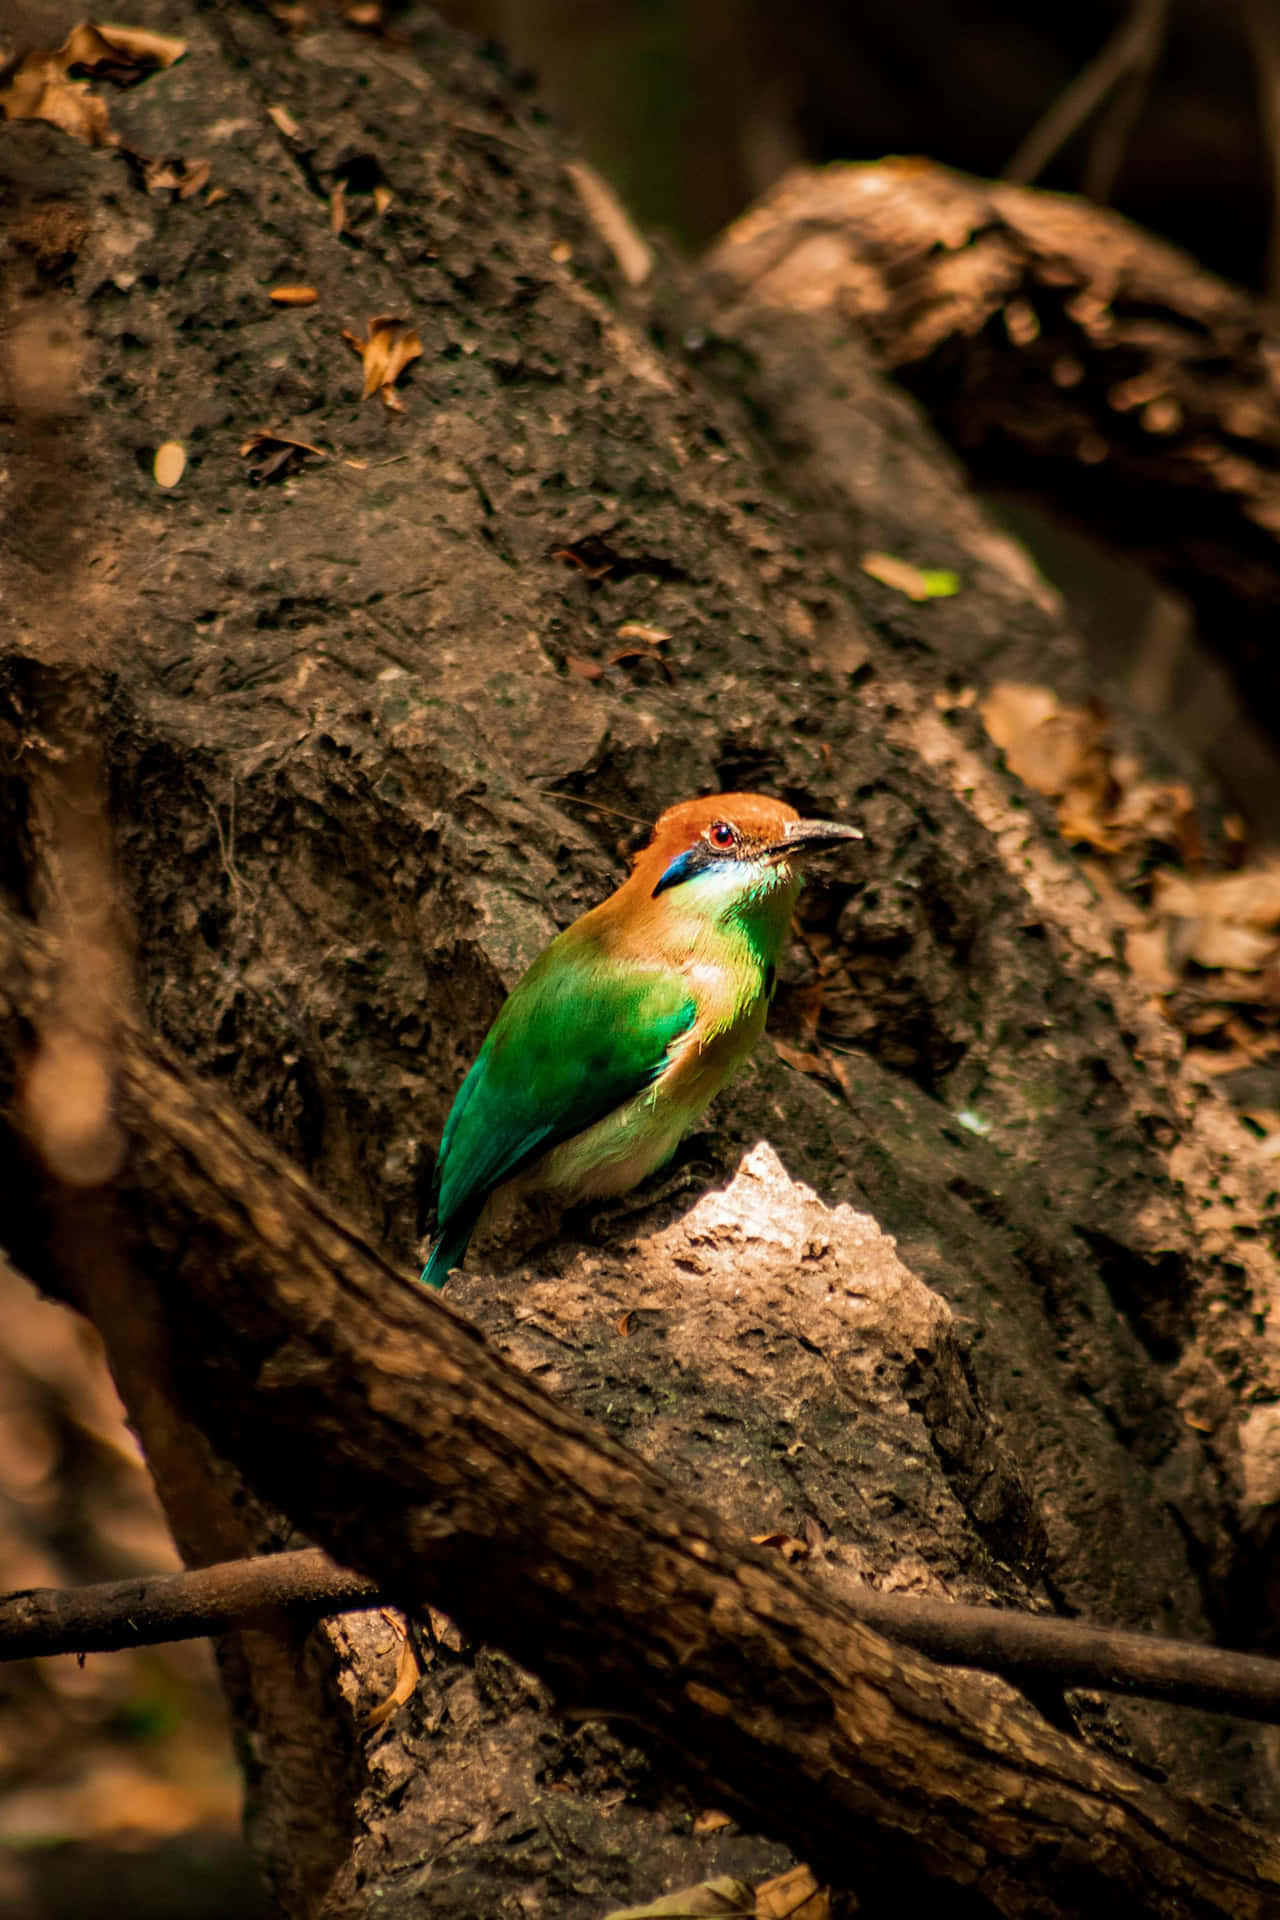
{"x":356,"y":779}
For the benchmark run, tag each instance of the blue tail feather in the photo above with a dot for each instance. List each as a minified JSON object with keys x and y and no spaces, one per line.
{"x":448,"y":1251}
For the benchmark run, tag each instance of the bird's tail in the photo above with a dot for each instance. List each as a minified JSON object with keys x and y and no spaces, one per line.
{"x":448,"y":1250}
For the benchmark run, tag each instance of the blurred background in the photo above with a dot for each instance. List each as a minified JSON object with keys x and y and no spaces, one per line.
{"x":118,"y":1790}
{"x":694,"y":107}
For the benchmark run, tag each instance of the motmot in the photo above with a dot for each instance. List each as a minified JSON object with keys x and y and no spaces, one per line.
{"x":620,"y":1033}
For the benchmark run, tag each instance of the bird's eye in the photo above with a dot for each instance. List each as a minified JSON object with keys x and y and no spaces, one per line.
{"x":722,"y":834}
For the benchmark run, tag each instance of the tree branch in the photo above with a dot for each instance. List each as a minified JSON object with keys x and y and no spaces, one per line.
{"x":307,"y":1585}
{"x":235,"y":1594}
{"x":449,"y":1478}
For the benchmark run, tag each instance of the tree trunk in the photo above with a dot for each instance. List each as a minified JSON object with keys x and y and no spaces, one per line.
{"x":365,"y":741}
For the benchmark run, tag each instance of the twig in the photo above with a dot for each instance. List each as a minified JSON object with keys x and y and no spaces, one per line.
{"x":612,"y":222}
{"x":1106,"y":154}
{"x":1130,"y":54}
{"x":308,"y":1585}
{"x":179,"y":1606}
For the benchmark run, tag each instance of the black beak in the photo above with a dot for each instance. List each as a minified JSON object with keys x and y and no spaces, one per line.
{"x":806,"y":836}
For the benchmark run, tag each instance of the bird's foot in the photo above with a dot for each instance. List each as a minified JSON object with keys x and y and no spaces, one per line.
{"x":692,"y":1170}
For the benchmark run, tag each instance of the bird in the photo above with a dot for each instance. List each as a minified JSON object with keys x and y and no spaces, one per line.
{"x":611,"y":1045}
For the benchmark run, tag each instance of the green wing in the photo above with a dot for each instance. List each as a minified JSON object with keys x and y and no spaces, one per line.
{"x":579,"y":1036}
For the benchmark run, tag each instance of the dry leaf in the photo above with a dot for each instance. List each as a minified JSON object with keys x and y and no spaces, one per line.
{"x":273,"y":456}
{"x":293,"y":296}
{"x":170,"y":174}
{"x":293,"y":16}
{"x":39,"y":90}
{"x":792,"y":1896}
{"x":1222,"y":944}
{"x":170,"y":463}
{"x":1251,"y":897}
{"x":595,"y":559}
{"x":387,"y":350}
{"x":647,"y":636}
{"x":1146,"y":949}
{"x":786,"y":1543}
{"x":407,"y":1676}
{"x":285,"y":122}
{"x":120,"y":54}
{"x":711,"y":1820}
{"x":41,"y":87}
{"x":917,"y":583}
{"x":382,"y":197}
{"x":1014,"y":708}
{"x":709,"y":1898}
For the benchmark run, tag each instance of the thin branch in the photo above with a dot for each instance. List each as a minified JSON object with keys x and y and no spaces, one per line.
{"x":180,"y":1606}
{"x":1111,"y":141}
{"x":1130,"y":54}
{"x":308,"y":1585}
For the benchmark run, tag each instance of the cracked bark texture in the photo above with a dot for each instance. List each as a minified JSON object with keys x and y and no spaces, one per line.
{"x":356,"y":786}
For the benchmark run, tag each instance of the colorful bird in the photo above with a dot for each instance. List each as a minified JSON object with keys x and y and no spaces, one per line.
{"x":619,"y":1034}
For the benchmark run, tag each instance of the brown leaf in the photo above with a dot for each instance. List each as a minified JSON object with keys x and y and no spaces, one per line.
{"x":39,"y":90}
{"x":284,"y":122}
{"x":122,"y":55}
{"x":388,"y":348}
{"x":647,"y":636}
{"x":800,"y":1058}
{"x":293,"y":16}
{"x":407,"y":1675}
{"x":595,"y":559}
{"x":1146,"y":948}
{"x":711,"y":1820}
{"x":622,"y":1325}
{"x":293,"y":296}
{"x":793,"y":1896}
{"x":170,"y":174}
{"x":273,"y":456}
{"x":365,"y":15}
{"x":1251,"y":896}
{"x":723,"y":1896}
{"x":111,"y":51}
{"x":583,"y":669}
{"x":1222,"y":944}
{"x":787,"y":1545}
{"x":898,"y":574}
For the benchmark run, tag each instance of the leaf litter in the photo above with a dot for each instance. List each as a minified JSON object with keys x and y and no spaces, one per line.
{"x":1200,"y":931}
{"x":56,"y":85}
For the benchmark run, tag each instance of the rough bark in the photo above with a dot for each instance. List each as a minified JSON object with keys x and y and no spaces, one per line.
{"x":356,"y":780}
{"x":451,"y":1478}
{"x":1063,"y":351}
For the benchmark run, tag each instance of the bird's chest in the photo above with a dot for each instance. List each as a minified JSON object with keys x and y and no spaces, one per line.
{"x":732,"y":1004}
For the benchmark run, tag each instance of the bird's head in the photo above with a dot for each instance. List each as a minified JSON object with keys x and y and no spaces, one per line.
{"x":732,"y":849}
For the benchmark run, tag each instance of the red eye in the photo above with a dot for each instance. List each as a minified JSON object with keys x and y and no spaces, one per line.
{"x":722,"y":834}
